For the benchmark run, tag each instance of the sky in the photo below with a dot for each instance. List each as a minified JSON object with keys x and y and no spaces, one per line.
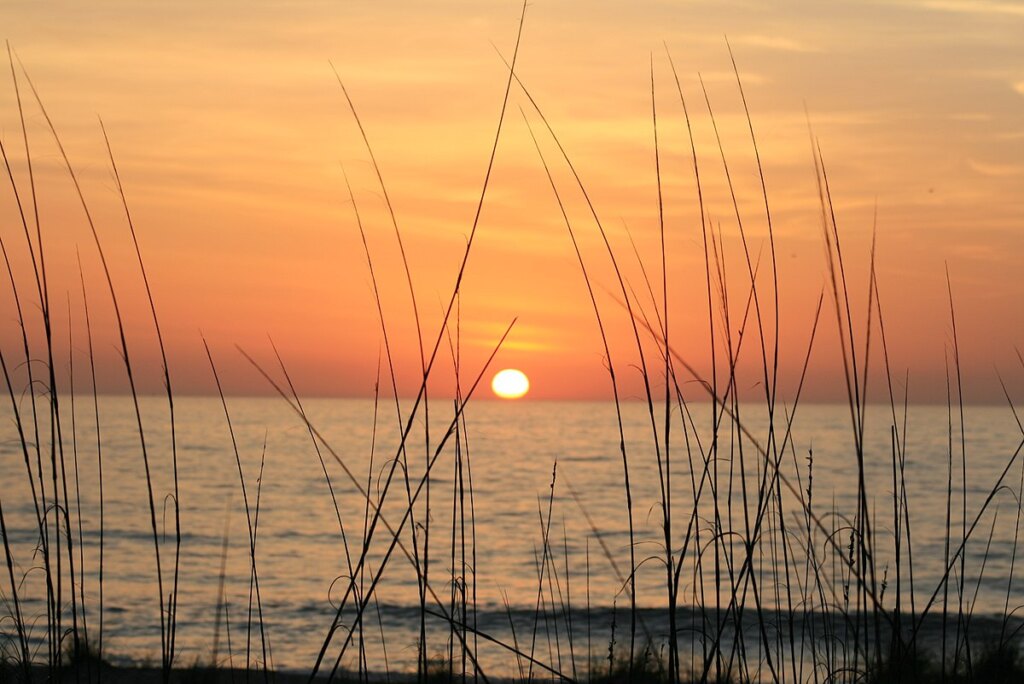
{"x":233,"y":141}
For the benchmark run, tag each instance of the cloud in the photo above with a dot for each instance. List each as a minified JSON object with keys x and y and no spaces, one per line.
{"x":995,"y":169}
{"x":978,"y":117}
{"x":773,"y":43}
{"x":976,"y":7}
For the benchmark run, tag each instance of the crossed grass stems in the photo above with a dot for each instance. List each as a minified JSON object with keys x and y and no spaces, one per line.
{"x":828,"y":558}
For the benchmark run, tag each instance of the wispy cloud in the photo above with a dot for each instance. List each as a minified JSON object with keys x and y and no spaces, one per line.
{"x":779,"y":43}
{"x":975,"y":117}
{"x":976,"y":7}
{"x":996,"y":169}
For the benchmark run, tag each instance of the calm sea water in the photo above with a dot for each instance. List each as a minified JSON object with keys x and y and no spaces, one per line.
{"x":509,"y":451}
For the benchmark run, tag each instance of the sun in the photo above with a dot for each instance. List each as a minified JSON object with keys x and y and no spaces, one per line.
{"x":510,"y":383}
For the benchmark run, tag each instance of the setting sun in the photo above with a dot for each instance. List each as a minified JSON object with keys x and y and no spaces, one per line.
{"x":510,"y":383}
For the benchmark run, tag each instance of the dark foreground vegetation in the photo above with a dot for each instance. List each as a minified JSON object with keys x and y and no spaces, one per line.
{"x":784,"y":586}
{"x":1000,"y":665}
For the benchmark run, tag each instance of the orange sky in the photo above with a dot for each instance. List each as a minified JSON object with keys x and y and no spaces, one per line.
{"x":231,"y":133}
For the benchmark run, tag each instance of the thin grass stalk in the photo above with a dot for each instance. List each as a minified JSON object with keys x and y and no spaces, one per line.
{"x":568,"y":603}
{"x":854,"y":387}
{"x":61,"y":510}
{"x":366,"y":515}
{"x":767,"y":382}
{"x":906,"y":505}
{"x":268,"y":653}
{"x":949,"y":511}
{"x":420,"y":579}
{"x":28,"y":364}
{"x":55,"y":595}
{"x":977,"y":589}
{"x":473,"y":546}
{"x":172,"y":603}
{"x":698,"y":599}
{"x":730,"y":404}
{"x":39,"y":271}
{"x":664,"y":462}
{"x":459,"y":582}
{"x":807,"y":596}
{"x":770,"y":389}
{"x":561,"y":606}
{"x":453,"y":605}
{"x":697,"y":490}
{"x":556,"y":602}
{"x":462,"y":545}
{"x":790,"y":612}
{"x":366,"y":510}
{"x":78,"y":498}
{"x":545,"y":529}
{"x":721,"y":551}
{"x":457,"y":586}
{"x":611,"y":373}
{"x":99,"y":465}
{"x":712,"y":454}
{"x":692,"y":531}
{"x":253,"y":573}
{"x":895,"y":647}
{"x":19,"y":622}
{"x":38,"y":267}
{"x":590,"y":650}
{"x":1019,"y":495}
{"x":402,"y":457}
{"x":422,"y":574}
{"x":40,"y":521}
{"x":963,"y":473}
{"x":515,"y":638}
{"x":466,"y":455}
{"x":771,"y":394}
{"x":903,"y":502}
{"x":863,"y":412}
{"x":227,"y":633}
{"x":126,"y":358}
{"x":541,"y":612}
{"x":221,"y":575}
{"x":865,"y":543}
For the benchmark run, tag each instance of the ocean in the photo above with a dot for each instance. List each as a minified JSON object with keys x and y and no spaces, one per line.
{"x":524,"y":472}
